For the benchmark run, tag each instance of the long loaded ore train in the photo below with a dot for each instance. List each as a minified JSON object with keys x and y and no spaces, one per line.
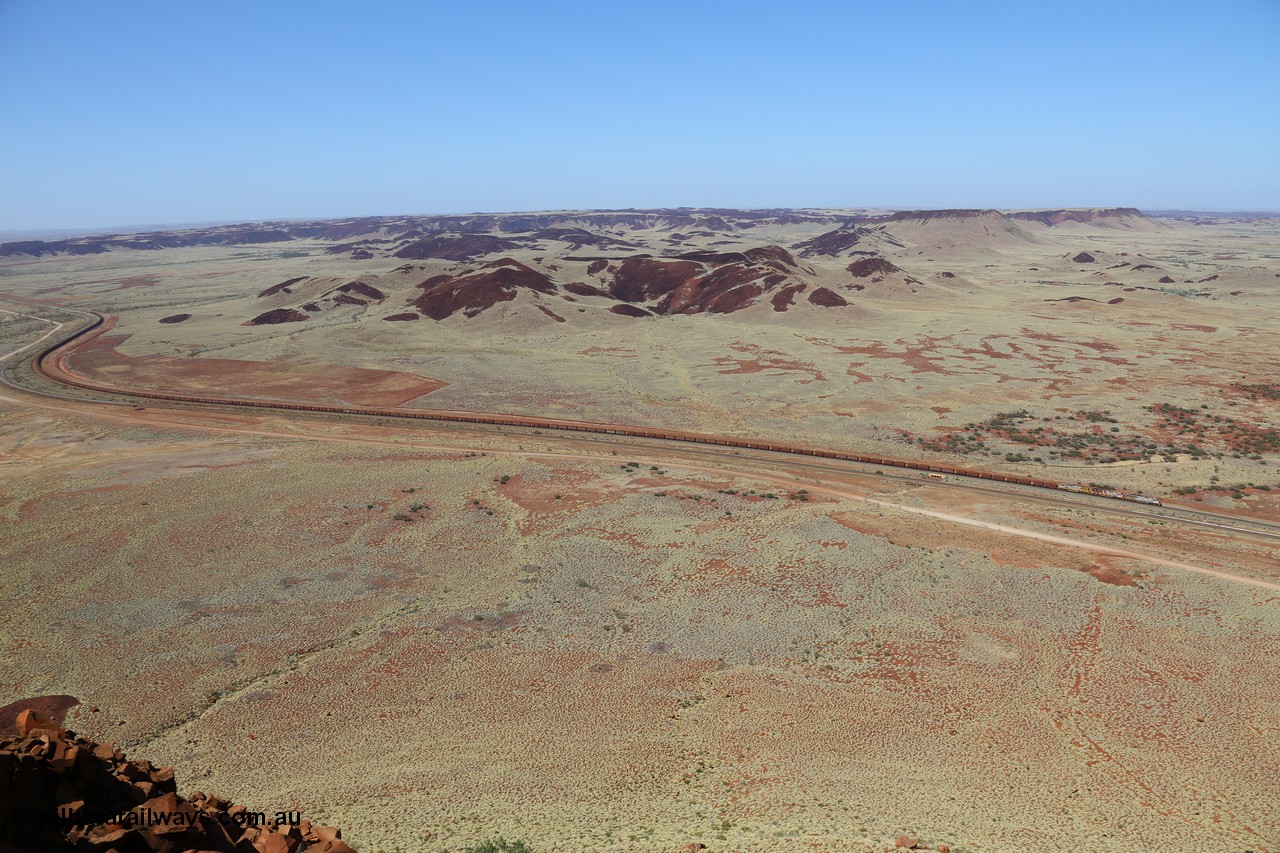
{"x":64,"y":377}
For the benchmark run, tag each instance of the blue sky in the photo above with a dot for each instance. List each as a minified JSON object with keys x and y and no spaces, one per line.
{"x":134,"y":112}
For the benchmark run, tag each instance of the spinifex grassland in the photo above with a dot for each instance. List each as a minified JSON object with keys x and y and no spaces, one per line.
{"x":909,"y":334}
{"x":434,"y":637}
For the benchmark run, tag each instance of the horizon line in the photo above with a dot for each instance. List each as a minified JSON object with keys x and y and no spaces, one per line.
{"x":7,"y":234}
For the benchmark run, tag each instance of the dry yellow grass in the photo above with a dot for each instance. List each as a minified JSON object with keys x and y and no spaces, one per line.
{"x":646,"y":661}
{"x":368,"y":624}
{"x":903,"y":361}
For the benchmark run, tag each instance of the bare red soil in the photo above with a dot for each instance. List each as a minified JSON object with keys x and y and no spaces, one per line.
{"x":99,"y":360}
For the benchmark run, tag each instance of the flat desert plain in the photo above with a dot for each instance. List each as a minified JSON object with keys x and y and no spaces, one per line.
{"x":433,"y":635}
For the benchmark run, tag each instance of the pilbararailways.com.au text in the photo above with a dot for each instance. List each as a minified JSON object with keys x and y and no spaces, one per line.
{"x":147,"y":817}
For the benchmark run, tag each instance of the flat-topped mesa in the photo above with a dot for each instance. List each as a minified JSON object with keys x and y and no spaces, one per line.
{"x":455,"y":247}
{"x":430,"y":236}
{"x":465,"y":237}
{"x":1107,"y":215}
{"x":61,"y":793}
{"x":931,"y":215}
{"x":980,"y":229}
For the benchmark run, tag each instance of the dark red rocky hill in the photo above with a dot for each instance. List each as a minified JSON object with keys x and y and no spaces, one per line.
{"x":445,"y":295}
{"x":60,"y":793}
{"x":277,"y":316}
{"x":833,"y":243}
{"x":282,"y":287}
{"x":872,"y":266}
{"x":692,"y":282}
{"x":366,"y":290}
{"x":701,"y":282}
{"x":644,"y":279}
{"x":456,"y":247}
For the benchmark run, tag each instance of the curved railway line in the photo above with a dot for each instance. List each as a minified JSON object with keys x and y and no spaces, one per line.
{"x":49,"y":364}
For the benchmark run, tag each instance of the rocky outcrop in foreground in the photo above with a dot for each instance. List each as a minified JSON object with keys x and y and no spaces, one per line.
{"x":60,"y":792}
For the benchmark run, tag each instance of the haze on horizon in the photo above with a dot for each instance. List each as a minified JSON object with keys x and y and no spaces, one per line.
{"x":153,"y":113}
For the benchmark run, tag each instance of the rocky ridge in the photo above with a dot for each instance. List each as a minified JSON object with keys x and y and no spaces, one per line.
{"x":468,"y":236}
{"x":61,"y":793}
{"x":624,"y":264}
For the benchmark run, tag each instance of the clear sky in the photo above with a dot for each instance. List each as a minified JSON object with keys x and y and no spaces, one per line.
{"x":118,"y":113}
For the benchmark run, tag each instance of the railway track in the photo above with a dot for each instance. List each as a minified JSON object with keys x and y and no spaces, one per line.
{"x":49,"y":364}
